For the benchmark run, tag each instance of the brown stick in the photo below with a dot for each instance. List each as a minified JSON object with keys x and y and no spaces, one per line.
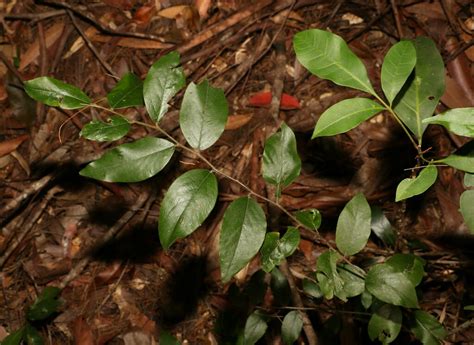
{"x":307,"y":326}
{"x":396,"y":15}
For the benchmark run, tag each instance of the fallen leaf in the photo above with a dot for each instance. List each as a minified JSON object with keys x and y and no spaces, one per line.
{"x":50,"y":37}
{"x":177,"y":11}
{"x":82,"y":332}
{"x":144,"y":14}
{"x":263,"y":99}
{"x":11,"y":145}
{"x":203,"y":8}
{"x":237,"y":121}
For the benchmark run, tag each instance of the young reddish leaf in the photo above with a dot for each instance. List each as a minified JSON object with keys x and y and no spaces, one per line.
{"x":264,"y":98}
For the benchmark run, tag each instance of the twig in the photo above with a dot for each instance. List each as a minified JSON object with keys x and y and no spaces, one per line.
{"x":14,"y":242}
{"x":9,"y":65}
{"x":396,"y":15}
{"x":307,"y":326}
{"x":113,"y":231}
{"x":462,"y":326}
{"x":97,"y":24}
{"x":91,"y":46}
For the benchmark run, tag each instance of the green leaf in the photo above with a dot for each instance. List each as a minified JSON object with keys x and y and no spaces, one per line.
{"x":32,"y":336}
{"x":14,"y":338}
{"x":45,"y":305}
{"x":468,"y":180}
{"x":353,"y":226}
{"x":397,"y":67}
{"x":255,"y":328}
{"x":408,"y":264}
{"x":345,"y":115}
{"x":459,"y":121}
{"x":414,"y":186}
{"x":274,"y":250}
{"x":242,"y":234}
{"x":116,"y":128}
{"x":56,"y":93}
{"x":291,"y":327}
{"x":186,"y":205}
{"x":385,"y":324}
{"x":391,"y":286}
{"x":463,"y":159}
{"x":328,"y":278}
{"x":467,"y":208}
{"x":327,"y":56}
{"x":381,"y":226}
{"x":163,"y":81}
{"x":353,"y":281}
{"x":469,"y":307}
{"x":131,"y":162}
{"x":281,"y":163}
{"x":366,"y":299}
{"x":127,"y":93}
{"x":419,"y":96}
{"x":166,"y":338}
{"x":427,"y":329}
{"x":203,"y":115}
{"x":309,"y":218}
{"x":311,"y":288}
{"x":280,"y":288}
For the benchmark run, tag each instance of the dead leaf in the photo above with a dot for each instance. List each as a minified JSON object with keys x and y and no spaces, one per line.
{"x":174,"y":12}
{"x":138,"y":338}
{"x":144,"y":14}
{"x":122,"y":4}
{"x":50,"y":37}
{"x":203,"y":8}
{"x":11,"y":145}
{"x":82,"y":332}
{"x":237,"y":121}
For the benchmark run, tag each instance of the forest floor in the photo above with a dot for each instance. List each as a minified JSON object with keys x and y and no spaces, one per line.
{"x":99,"y":241}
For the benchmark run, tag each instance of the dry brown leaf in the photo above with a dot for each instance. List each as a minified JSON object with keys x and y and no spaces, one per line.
{"x":82,"y":332}
{"x":237,"y":121}
{"x":173,"y":12}
{"x":131,"y":42}
{"x":203,"y":8}
{"x":11,"y":145}
{"x":50,"y":37}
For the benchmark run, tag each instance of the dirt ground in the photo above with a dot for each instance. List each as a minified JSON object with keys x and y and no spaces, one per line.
{"x":99,"y":241}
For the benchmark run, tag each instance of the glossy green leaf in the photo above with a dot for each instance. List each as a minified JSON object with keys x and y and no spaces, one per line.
{"x":242,"y":234}
{"x":56,"y":93}
{"x":274,"y":250}
{"x":255,"y":328}
{"x":381,"y":226}
{"x":327,"y":276}
{"x":311,"y":288}
{"x":14,"y":338}
{"x":467,"y":208}
{"x":310,"y":218}
{"x":291,"y":327}
{"x":427,"y":329}
{"x":32,"y":336}
{"x":396,"y":68}
{"x":414,"y":186}
{"x":329,"y":57}
{"x":345,"y":115}
{"x":459,"y":121}
{"x":353,"y":226}
{"x":419,"y":96}
{"x":281,"y":163}
{"x":462,"y":159}
{"x":131,"y":162}
{"x":186,"y":205}
{"x":115,"y":128}
{"x":385,"y":324}
{"x":127,"y":93}
{"x":203,"y":115}
{"x":166,"y":338}
{"x":408,"y":264}
{"x":353,"y":281}
{"x":163,"y":81}
{"x":45,"y":305}
{"x":391,"y":286}
{"x":468,"y":180}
